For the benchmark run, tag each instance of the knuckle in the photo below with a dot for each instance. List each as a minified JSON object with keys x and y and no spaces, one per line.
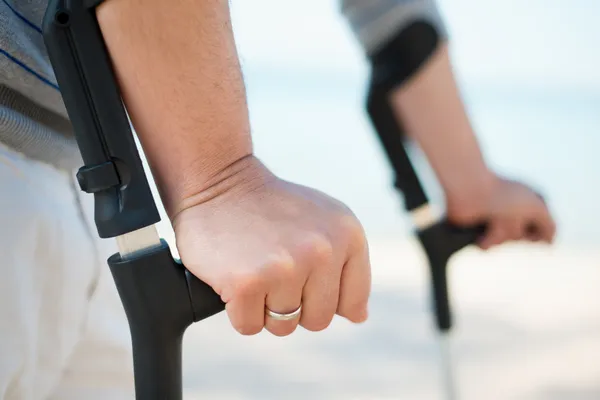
{"x":318,"y":323}
{"x":318,"y":248}
{"x":280,"y":267}
{"x":352,"y":229}
{"x":282,"y":330}
{"x":318,"y":326}
{"x":249,"y":329}
{"x":355,"y":312}
{"x":515,"y":232}
{"x":246,"y":284}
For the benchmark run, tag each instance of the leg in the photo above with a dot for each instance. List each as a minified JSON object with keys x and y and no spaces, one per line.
{"x":101,"y":366}
{"x":48,"y":272}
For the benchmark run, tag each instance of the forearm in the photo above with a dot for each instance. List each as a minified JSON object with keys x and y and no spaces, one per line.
{"x":180,"y":79}
{"x":432,"y":113}
{"x":407,"y":40}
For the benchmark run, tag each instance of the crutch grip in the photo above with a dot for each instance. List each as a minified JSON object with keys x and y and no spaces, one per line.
{"x":440,"y":241}
{"x":161,"y":300}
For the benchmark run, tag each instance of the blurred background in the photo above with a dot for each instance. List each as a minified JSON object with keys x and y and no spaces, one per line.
{"x":527,"y":317}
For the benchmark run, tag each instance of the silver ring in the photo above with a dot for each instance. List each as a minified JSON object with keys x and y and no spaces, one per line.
{"x":284,"y":317}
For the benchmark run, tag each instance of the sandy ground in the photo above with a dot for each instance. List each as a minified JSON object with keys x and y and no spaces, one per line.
{"x":527,"y":327}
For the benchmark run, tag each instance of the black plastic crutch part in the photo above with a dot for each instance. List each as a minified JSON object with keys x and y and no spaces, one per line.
{"x":440,"y":239}
{"x":160,"y":297}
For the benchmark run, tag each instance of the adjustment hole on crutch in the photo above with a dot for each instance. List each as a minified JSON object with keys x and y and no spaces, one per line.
{"x":62,"y":18}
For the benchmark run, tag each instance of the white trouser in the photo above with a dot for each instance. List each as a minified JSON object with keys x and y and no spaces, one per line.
{"x":63,"y":332}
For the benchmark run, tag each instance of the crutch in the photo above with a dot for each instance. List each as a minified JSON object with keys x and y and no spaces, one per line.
{"x":439,"y":238}
{"x":161,"y":298}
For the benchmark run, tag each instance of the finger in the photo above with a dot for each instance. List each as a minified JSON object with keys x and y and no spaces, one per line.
{"x":320,"y":298}
{"x":545,"y":224}
{"x":533,"y":236}
{"x":532,"y":233}
{"x":495,"y":235}
{"x":285,"y":300}
{"x":514,"y":228}
{"x":541,"y":232}
{"x":355,"y":287}
{"x":540,"y":224}
{"x":246,"y":309}
{"x":285,"y":295}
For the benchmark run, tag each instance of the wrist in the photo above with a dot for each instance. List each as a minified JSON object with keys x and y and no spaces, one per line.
{"x":244,"y":174}
{"x":181,"y":178}
{"x":468,"y":197}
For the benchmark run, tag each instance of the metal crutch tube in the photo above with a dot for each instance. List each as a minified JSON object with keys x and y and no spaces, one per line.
{"x":439,"y":238}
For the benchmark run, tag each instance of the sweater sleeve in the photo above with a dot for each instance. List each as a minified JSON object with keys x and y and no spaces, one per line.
{"x":376,"y":22}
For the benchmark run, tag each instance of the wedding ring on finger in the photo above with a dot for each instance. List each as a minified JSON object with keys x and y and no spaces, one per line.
{"x":283,"y":317}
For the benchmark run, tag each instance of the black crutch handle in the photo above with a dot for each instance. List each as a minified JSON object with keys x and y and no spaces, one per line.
{"x":161,"y":300}
{"x":440,"y":242}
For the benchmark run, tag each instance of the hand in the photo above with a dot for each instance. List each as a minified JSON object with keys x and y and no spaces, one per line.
{"x":512,"y":211}
{"x":260,"y":241}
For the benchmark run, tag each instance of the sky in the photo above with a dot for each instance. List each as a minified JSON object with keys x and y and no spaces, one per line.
{"x":549,"y":43}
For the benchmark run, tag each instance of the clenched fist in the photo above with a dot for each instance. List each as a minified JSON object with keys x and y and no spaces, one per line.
{"x":512,"y":210}
{"x":263,"y":243}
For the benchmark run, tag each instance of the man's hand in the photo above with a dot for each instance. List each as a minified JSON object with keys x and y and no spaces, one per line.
{"x":260,"y":241}
{"x":257,"y":240}
{"x":512,"y":211}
